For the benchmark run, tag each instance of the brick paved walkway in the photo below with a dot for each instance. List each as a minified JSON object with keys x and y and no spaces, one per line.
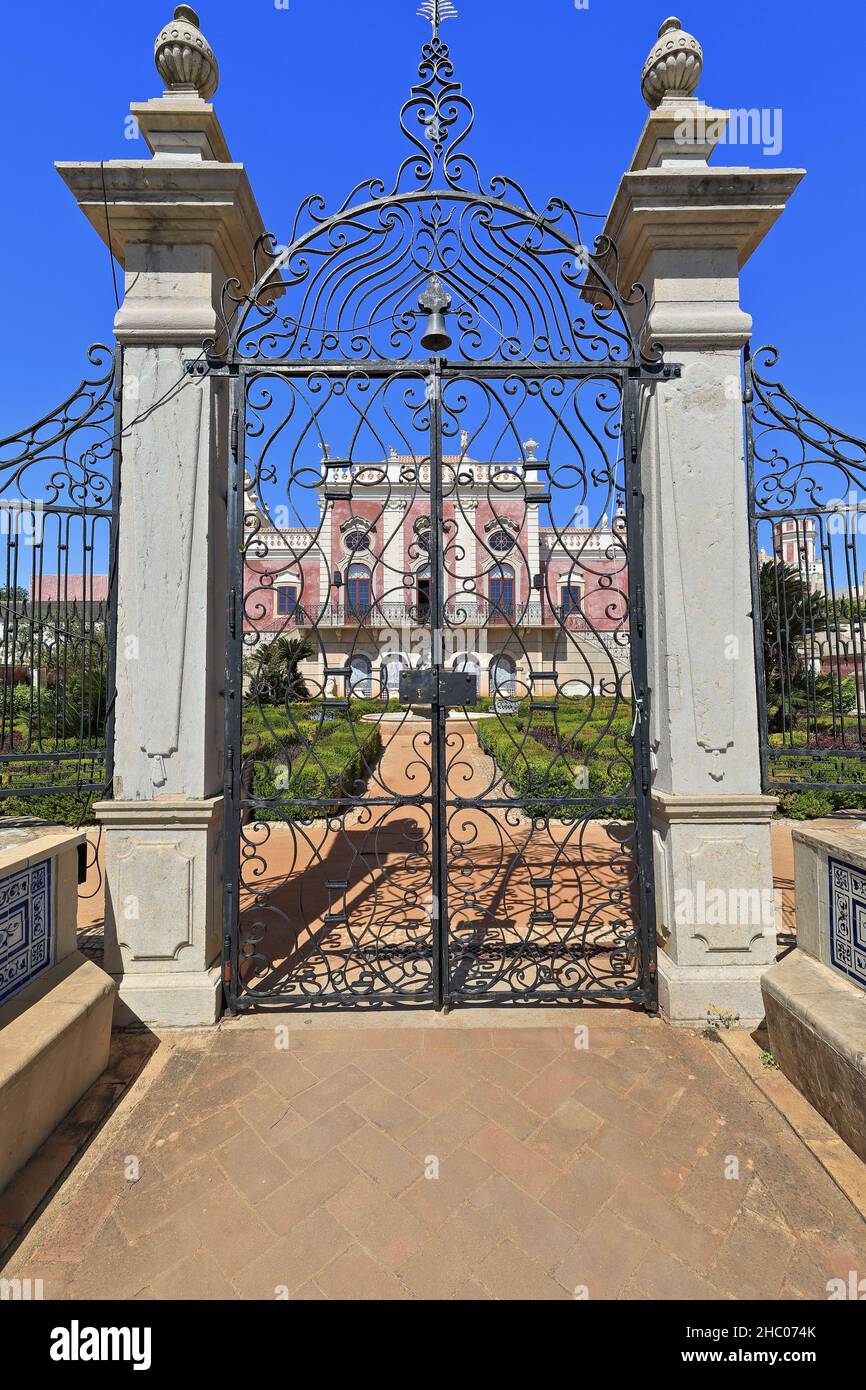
{"x":305,"y":1171}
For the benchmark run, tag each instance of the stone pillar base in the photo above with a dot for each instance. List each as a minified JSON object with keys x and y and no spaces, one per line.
{"x":163,"y":908}
{"x":686,"y":991}
{"x":185,"y":999}
{"x":715,"y":905}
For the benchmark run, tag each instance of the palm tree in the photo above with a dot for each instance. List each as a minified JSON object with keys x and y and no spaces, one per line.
{"x":274,"y":675}
{"x":788,"y":608}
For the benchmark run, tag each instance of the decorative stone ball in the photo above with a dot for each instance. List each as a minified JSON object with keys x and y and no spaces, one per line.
{"x":674,"y":66}
{"x":184,"y":58}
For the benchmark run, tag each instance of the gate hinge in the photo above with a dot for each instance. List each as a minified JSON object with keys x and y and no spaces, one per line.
{"x":651,"y":969}
{"x":233,"y":620}
{"x":234,"y":433}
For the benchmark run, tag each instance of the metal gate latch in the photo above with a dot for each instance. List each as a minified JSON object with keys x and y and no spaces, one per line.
{"x":438,"y":687}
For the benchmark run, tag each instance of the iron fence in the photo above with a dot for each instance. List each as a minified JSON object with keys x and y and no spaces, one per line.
{"x":58,"y":496}
{"x":807,"y":516}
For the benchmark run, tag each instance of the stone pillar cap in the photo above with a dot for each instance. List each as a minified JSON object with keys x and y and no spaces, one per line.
{"x":181,"y":126}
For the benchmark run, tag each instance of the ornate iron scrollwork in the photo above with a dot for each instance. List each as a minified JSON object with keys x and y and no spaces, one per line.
{"x":496,"y":853}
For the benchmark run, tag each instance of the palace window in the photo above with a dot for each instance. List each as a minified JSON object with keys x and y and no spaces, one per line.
{"x":571,"y":598}
{"x":422,"y":595}
{"x":357,"y":540}
{"x":503,"y":676}
{"x":501,"y":592}
{"x":422,"y":533}
{"x":500,"y":541}
{"x":358,"y":591}
{"x":287,"y":600}
{"x":361,"y":677}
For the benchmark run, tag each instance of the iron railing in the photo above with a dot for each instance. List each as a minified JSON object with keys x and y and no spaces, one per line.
{"x":807,"y":514}
{"x":58,"y":496}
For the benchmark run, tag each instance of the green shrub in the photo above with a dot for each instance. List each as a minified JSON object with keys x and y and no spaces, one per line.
{"x":73,"y":808}
{"x":806,"y":805}
{"x":796,"y":738}
{"x":811,"y":802}
{"x":547,"y":776}
{"x":329,"y":769}
{"x":541,"y":777}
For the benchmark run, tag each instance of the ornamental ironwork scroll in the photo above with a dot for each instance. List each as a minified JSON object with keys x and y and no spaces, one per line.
{"x":404,"y":526}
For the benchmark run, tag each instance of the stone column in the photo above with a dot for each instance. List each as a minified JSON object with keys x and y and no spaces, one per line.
{"x":684,"y":231}
{"x":180,"y":224}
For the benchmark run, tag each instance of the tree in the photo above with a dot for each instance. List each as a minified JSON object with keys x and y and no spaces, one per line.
{"x":792,"y":616}
{"x":273,"y":671}
{"x":787,"y":609}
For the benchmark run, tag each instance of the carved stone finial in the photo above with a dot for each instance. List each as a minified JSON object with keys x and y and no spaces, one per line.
{"x":184,"y":59}
{"x":673,"y":68}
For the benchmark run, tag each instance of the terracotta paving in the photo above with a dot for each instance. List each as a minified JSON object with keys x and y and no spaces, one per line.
{"x":444,"y":1159}
{"x":495,"y":1155}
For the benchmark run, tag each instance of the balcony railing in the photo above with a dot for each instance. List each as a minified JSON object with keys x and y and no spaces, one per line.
{"x":460,"y":613}
{"x":470,"y":612}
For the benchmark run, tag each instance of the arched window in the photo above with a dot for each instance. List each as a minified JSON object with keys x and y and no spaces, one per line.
{"x":468,"y":662}
{"x":361,"y":677}
{"x":358,"y":591}
{"x":501,"y":592}
{"x":503,"y":675}
{"x":391,"y":668}
{"x":422,"y":594}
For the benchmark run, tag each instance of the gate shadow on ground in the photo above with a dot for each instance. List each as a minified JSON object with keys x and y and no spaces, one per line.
{"x":349,"y":910}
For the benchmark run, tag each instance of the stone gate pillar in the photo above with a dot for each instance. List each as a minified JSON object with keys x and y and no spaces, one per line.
{"x":180,"y":223}
{"x":684,"y":231}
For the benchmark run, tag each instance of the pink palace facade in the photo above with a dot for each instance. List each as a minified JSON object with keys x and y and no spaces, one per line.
{"x":522,"y":598}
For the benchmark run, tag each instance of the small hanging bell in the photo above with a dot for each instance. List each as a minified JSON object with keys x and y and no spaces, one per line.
{"x":436,"y":303}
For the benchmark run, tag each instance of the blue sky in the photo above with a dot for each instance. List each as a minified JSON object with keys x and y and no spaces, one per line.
{"x":308,"y":98}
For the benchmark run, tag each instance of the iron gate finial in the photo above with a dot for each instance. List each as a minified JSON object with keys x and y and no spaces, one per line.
{"x":435,"y":11}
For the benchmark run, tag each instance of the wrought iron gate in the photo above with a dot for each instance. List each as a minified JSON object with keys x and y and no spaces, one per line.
{"x":437,"y":770}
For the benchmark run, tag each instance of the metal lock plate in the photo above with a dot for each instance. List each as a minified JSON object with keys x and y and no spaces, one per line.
{"x":443,"y":688}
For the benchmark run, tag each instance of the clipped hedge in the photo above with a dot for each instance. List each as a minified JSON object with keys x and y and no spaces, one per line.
{"x":59,"y":807}
{"x":531,"y":770}
{"x":328,"y":770}
{"x":812,"y":802}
